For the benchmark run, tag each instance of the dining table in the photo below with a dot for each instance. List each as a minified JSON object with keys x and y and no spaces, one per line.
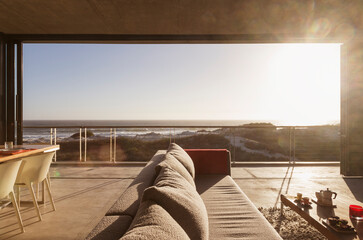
{"x":22,"y":151}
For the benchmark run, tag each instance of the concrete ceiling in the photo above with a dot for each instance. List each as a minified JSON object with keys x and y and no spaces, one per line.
{"x":308,"y":18}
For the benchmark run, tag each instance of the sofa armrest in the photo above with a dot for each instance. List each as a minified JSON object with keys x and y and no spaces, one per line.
{"x":211,"y":161}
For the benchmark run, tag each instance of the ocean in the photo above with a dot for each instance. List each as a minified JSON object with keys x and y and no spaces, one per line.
{"x":66,"y":128}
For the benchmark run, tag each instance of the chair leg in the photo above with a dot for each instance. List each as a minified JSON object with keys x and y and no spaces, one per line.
{"x":17,"y":194}
{"x":17,"y":212}
{"x":30,"y":186}
{"x":48,"y":176}
{"x":49,"y":193}
{"x":43,"y":192}
{"x":37,"y":190}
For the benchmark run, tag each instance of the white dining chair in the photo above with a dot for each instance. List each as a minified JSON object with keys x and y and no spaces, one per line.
{"x":34,"y":170}
{"x":8,"y":173}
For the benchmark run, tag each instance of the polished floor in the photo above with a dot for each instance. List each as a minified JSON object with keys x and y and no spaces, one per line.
{"x":84,"y":193}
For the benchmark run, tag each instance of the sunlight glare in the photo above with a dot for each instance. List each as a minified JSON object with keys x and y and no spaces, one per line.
{"x":308,"y":87}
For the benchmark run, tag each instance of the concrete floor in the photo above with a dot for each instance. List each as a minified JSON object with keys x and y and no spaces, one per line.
{"x":83,"y":195}
{"x":263,"y":185}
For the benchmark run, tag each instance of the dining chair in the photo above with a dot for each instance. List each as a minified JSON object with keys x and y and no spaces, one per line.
{"x":34,"y":170}
{"x":8,"y":173}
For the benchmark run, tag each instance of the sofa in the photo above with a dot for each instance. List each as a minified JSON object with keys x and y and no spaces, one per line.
{"x":184,"y":194}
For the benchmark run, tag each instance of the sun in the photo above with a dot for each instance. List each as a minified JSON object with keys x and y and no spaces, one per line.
{"x":307,"y":84}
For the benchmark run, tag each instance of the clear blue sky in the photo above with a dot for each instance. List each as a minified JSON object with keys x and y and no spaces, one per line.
{"x":291,"y":83}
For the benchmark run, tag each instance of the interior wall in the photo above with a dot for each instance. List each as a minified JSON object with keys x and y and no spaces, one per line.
{"x":2,"y":91}
{"x":10,"y":91}
{"x":19,"y":93}
{"x":352,"y":108}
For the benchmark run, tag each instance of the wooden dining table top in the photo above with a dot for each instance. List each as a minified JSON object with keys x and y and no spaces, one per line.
{"x":25,"y":151}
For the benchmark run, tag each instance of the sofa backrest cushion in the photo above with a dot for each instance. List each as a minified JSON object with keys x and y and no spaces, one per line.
{"x":154,"y":222}
{"x":170,"y":161}
{"x":181,"y":201}
{"x":130,"y":199}
{"x":182,"y":157}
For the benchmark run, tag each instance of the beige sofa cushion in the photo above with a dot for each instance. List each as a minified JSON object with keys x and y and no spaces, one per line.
{"x":182,"y":157}
{"x":231,"y":214}
{"x":130,"y":199}
{"x":110,"y":227}
{"x":170,"y":161}
{"x":154,"y":222}
{"x":181,"y":201}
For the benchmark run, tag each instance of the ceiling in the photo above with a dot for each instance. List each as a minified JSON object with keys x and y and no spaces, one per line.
{"x":308,"y":19}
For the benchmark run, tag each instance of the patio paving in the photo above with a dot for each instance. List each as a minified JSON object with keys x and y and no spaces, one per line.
{"x":83,"y":194}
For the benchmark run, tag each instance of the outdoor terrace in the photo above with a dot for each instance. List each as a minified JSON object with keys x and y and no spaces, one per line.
{"x":84,"y":193}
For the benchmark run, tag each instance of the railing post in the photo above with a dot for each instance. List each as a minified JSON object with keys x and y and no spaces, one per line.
{"x":234,"y":145}
{"x":290,"y":144}
{"x":80,"y":144}
{"x":170,"y":136}
{"x":55,"y":143}
{"x":51,"y":136}
{"x":174,"y":135}
{"x":85,"y":144}
{"x":110,"y":144}
{"x":294,"y":146}
{"x":114,"y":146}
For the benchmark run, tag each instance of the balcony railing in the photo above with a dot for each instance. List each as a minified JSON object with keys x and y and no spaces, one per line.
{"x":138,"y":143}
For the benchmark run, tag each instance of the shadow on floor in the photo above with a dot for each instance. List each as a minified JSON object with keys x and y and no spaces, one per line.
{"x":355,"y":186}
{"x":28,"y":206}
{"x":288,"y":178}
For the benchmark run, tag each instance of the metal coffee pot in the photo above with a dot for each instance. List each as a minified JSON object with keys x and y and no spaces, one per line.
{"x":325,"y":196}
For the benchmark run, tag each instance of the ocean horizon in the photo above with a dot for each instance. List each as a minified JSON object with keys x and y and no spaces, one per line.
{"x":127,"y":123}
{"x":41,"y":130}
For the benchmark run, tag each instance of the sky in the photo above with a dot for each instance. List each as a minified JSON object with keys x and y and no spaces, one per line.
{"x":293,"y":84}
